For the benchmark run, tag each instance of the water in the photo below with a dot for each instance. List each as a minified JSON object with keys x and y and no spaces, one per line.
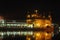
{"x":17,"y":37}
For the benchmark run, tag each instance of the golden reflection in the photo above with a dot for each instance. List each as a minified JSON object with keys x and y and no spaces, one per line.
{"x":28,"y":38}
{"x":42,"y":36}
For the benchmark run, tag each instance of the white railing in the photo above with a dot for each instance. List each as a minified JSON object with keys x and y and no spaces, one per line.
{"x":9,"y":25}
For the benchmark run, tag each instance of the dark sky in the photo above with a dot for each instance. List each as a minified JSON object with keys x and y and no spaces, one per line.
{"x":18,"y":9}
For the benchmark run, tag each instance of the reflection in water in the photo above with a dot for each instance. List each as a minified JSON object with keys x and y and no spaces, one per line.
{"x":16,"y":37}
{"x":42,"y":35}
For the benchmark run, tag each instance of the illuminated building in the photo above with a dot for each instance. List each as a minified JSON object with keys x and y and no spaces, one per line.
{"x":42,"y":23}
{"x":35,"y":26}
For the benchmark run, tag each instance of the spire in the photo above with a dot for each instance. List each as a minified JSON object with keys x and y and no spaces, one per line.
{"x":43,"y":14}
{"x":50,"y":16}
{"x":28,"y":14}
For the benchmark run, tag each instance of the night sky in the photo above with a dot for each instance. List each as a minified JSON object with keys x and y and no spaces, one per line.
{"x":18,"y":9}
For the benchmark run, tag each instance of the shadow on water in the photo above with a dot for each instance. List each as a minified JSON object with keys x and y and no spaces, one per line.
{"x":14,"y":37}
{"x":56,"y":37}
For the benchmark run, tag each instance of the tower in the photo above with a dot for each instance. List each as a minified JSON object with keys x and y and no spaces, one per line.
{"x":2,"y":21}
{"x":28,"y":18}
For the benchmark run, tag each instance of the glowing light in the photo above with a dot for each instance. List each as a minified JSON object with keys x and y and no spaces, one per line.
{"x":28,"y":16}
{"x":34,"y":15}
{"x":36,"y":11}
{"x":38,"y":24}
{"x":59,"y":30}
{"x":46,"y":34}
{"x":37,"y":34}
{"x":46,"y":25}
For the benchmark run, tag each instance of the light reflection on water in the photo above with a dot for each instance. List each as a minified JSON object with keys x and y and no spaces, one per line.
{"x":35,"y":35}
